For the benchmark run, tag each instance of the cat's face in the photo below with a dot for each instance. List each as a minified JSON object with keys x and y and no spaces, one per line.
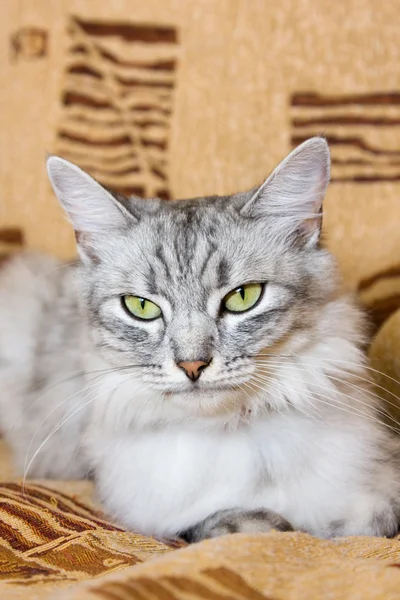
{"x":196,"y":294}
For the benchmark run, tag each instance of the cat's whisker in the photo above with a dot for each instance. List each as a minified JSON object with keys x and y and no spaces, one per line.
{"x":345,"y":408}
{"x":335,"y":390}
{"x":60,"y":424}
{"x":372,"y":394}
{"x":339,"y":404}
{"x":91,"y":391}
{"x":27,"y":463}
{"x":270,"y":389}
{"x":255,"y":389}
{"x":275,"y":385}
{"x":77,"y":450}
{"x":113,"y":391}
{"x":87,"y":388}
{"x":364,"y":366}
{"x":138,"y":389}
{"x":70,"y":378}
{"x":302,"y":367}
{"x":372,"y":382}
{"x":359,"y":367}
{"x":241,"y":387}
{"x":58,"y":268}
{"x":53,"y":410}
{"x":113,"y":417}
{"x":149,"y":399}
{"x":318,"y":395}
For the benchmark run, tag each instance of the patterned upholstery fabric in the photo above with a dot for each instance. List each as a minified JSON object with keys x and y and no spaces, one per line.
{"x":265,"y":567}
{"x":54,"y":545}
{"x":45,"y":533}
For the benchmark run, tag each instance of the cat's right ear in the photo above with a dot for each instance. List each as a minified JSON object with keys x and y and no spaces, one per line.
{"x":92,"y":210}
{"x":293,"y":194}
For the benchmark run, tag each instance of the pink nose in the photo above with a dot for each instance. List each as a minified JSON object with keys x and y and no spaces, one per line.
{"x":193,"y":368}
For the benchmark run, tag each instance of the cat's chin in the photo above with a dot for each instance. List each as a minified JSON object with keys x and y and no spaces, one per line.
{"x":208,"y":400}
{"x":199,"y":391}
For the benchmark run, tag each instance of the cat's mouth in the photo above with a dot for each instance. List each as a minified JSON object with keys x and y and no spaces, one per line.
{"x":223,"y":383}
{"x":199,"y":389}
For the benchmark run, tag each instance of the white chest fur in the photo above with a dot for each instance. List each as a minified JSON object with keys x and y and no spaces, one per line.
{"x":162,"y":482}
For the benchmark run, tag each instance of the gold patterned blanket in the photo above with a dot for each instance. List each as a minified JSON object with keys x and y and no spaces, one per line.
{"x":56,"y":545}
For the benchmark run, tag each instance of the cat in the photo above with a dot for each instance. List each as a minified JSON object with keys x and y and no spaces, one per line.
{"x":200,"y":362}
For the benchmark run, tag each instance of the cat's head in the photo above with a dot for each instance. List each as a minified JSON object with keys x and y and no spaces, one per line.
{"x":197,"y":294}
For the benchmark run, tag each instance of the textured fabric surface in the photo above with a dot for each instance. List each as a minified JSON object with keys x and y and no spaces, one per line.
{"x":271,"y":566}
{"x":54,"y":545}
{"x":49,"y":539}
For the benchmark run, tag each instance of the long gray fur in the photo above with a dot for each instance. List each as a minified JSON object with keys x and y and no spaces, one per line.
{"x":281,"y":430}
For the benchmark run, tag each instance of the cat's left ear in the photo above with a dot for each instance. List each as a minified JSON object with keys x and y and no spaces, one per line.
{"x":92,"y":210}
{"x":294,"y":192}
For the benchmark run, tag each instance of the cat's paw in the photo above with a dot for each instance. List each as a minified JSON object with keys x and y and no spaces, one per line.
{"x":381,"y":524}
{"x":236,"y":520}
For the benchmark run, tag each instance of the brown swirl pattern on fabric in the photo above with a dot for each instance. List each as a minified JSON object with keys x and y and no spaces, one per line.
{"x":45,"y":533}
{"x":272,"y":566}
{"x":356,"y":126}
{"x":380,"y":294}
{"x":11,"y":239}
{"x":217,"y":584}
{"x":117,"y":103}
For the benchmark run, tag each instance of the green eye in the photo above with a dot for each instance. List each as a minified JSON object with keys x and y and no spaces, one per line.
{"x":243,"y":298}
{"x":141,"y":308}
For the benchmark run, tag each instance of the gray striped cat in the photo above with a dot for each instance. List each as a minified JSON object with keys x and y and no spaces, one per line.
{"x":200,"y":362}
